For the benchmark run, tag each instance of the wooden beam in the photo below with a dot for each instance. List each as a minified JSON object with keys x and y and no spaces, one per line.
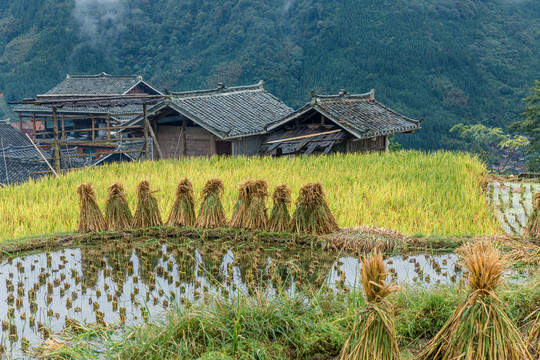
{"x":303,"y":136}
{"x":213,"y":149}
{"x":56,"y":142}
{"x":34,"y":125}
{"x":145,"y":122}
{"x":108,"y":128}
{"x":43,"y":157}
{"x":156,"y":144}
{"x":20,"y":123}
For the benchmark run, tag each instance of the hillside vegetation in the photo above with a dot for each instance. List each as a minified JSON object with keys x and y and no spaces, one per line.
{"x":416,"y":193}
{"x":446,"y":61}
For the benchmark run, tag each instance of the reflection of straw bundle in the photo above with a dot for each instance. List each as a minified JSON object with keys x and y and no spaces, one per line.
{"x":479,"y":328}
{"x":90,"y":218}
{"x":238,"y":218}
{"x":117,"y":210}
{"x":280,"y":217}
{"x":183,"y":210}
{"x":147,"y":213}
{"x":373,"y":335}
{"x":256,"y":214}
{"x":312,"y":214}
{"x":212,"y":214}
{"x":532,"y":230}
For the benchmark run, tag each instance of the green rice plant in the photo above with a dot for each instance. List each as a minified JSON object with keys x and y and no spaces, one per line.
{"x":373,"y":335}
{"x":211,"y":213}
{"x":183,"y":210}
{"x":239,"y":215}
{"x":532,"y":230}
{"x":147,"y":213}
{"x":256,"y":217}
{"x":90,"y":218}
{"x":312,"y":214}
{"x":279,"y":217}
{"x":117,"y":209}
{"x":479,"y":328}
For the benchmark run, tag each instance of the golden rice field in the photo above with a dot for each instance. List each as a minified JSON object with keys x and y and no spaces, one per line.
{"x":439,"y":193}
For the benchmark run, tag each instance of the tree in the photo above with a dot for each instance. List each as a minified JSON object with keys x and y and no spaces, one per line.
{"x":530,"y":126}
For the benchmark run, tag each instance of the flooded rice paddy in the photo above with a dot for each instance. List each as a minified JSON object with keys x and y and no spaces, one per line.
{"x":129,"y":282}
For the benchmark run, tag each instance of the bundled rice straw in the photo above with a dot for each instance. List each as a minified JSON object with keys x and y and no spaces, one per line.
{"x":147,"y":213}
{"x":212,"y":214}
{"x":256,"y":217}
{"x":279,"y":217}
{"x":534,"y":333}
{"x":479,"y":328}
{"x":373,"y":335}
{"x":238,"y":218}
{"x":183,"y":210}
{"x":532,"y":230}
{"x":117,"y":210}
{"x":312,"y":214}
{"x":90,"y":218}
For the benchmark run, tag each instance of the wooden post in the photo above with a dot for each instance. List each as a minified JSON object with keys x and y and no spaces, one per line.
{"x":56,"y":154}
{"x":386,"y":144}
{"x":108,"y":127}
{"x":184,"y":145}
{"x":322,"y":120}
{"x":146,"y":147}
{"x":93,"y":129}
{"x":20,"y":124}
{"x":156,"y":143}
{"x":213,"y":149}
{"x":63,"y":127}
{"x":34,"y":126}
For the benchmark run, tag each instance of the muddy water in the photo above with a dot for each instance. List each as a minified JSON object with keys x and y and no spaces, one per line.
{"x":127,"y":283}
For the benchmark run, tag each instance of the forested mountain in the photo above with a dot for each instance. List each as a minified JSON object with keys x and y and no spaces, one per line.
{"x":446,"y":61}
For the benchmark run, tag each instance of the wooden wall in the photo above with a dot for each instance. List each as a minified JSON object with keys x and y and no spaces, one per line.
{"x":377,"y":144}
{"x":194,"y":141}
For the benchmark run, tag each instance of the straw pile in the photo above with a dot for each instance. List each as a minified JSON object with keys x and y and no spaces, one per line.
{"x":373,"y":335}
{"x":532,"y":230}
{"x":279,"y":217}
{"x":147,"y":213}
{"x":183,"y":210}
{"x":90,"y":218}
{"x":312,"y":214}
{"x":212,"y":214}
{"x":238,"y":218}
{"x":534,"y":333}
{"x":256,"y":217}
{"x":117,"y":209}
{"x":479,"y":328}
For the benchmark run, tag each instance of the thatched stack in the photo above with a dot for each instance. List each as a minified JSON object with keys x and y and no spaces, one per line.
{"x":211,"y":213}
{"x":312,"y":214}
{"x":532,"y":230}
{"x":479,"y":329}
{"x":238,"y":218}
{"x":373,"y":335}
{"x":256,"y":217}
{"x":90,"y":219}
{"x":117,"y":209}
{"x":279,"y":217}
{"x":147,"y":213}
{"x":183,"y":210}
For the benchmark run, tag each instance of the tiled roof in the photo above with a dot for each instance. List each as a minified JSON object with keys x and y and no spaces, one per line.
{"x":9,"y":136}
{"x":129,"y":109}
{"x":361,"y":115}
{"x":228,"y":112}
{"x":101,"y":84}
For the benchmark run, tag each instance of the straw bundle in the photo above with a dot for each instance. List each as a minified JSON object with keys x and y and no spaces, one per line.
{"x":147,"y":213}
{"x":532,"y":230}
{"x":117,"y":209}
{"x":534,"y":333}
{"x":256,"y":217}
{"x":312,"y":214}
{"x":373,"y":335}
{"x":238,"y":218}
{"x":183,"y":210}
{"x":479,"y":328}
{"x":211,"y":213}
{"x":90,"y":218}
{"x":279,"y":217}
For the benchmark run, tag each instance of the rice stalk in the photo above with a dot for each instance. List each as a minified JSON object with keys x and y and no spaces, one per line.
{"x":256,"y":217}
{"x":534,"y":333}
{"x":312,"y":214}
{"x":117,"y":209}
{"x":532,"y":230}
{"x":239,"y":215}
{"x":147,"y":213}
{"x":211,"y":213}
{"x":280,"y":218}
{"x":90,"y":218}
{"x":373,"y":335}
{"x":479,"y":328}
{"x":183,"y":210}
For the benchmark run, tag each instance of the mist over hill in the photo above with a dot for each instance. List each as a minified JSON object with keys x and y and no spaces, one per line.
{"x":446,"y":61}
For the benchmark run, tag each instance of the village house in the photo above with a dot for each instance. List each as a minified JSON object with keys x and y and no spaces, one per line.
{"x":336,"y":123}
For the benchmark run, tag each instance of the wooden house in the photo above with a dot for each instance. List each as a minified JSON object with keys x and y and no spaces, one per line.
{"x":336,"y":123}
{"x":220,"y":121}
